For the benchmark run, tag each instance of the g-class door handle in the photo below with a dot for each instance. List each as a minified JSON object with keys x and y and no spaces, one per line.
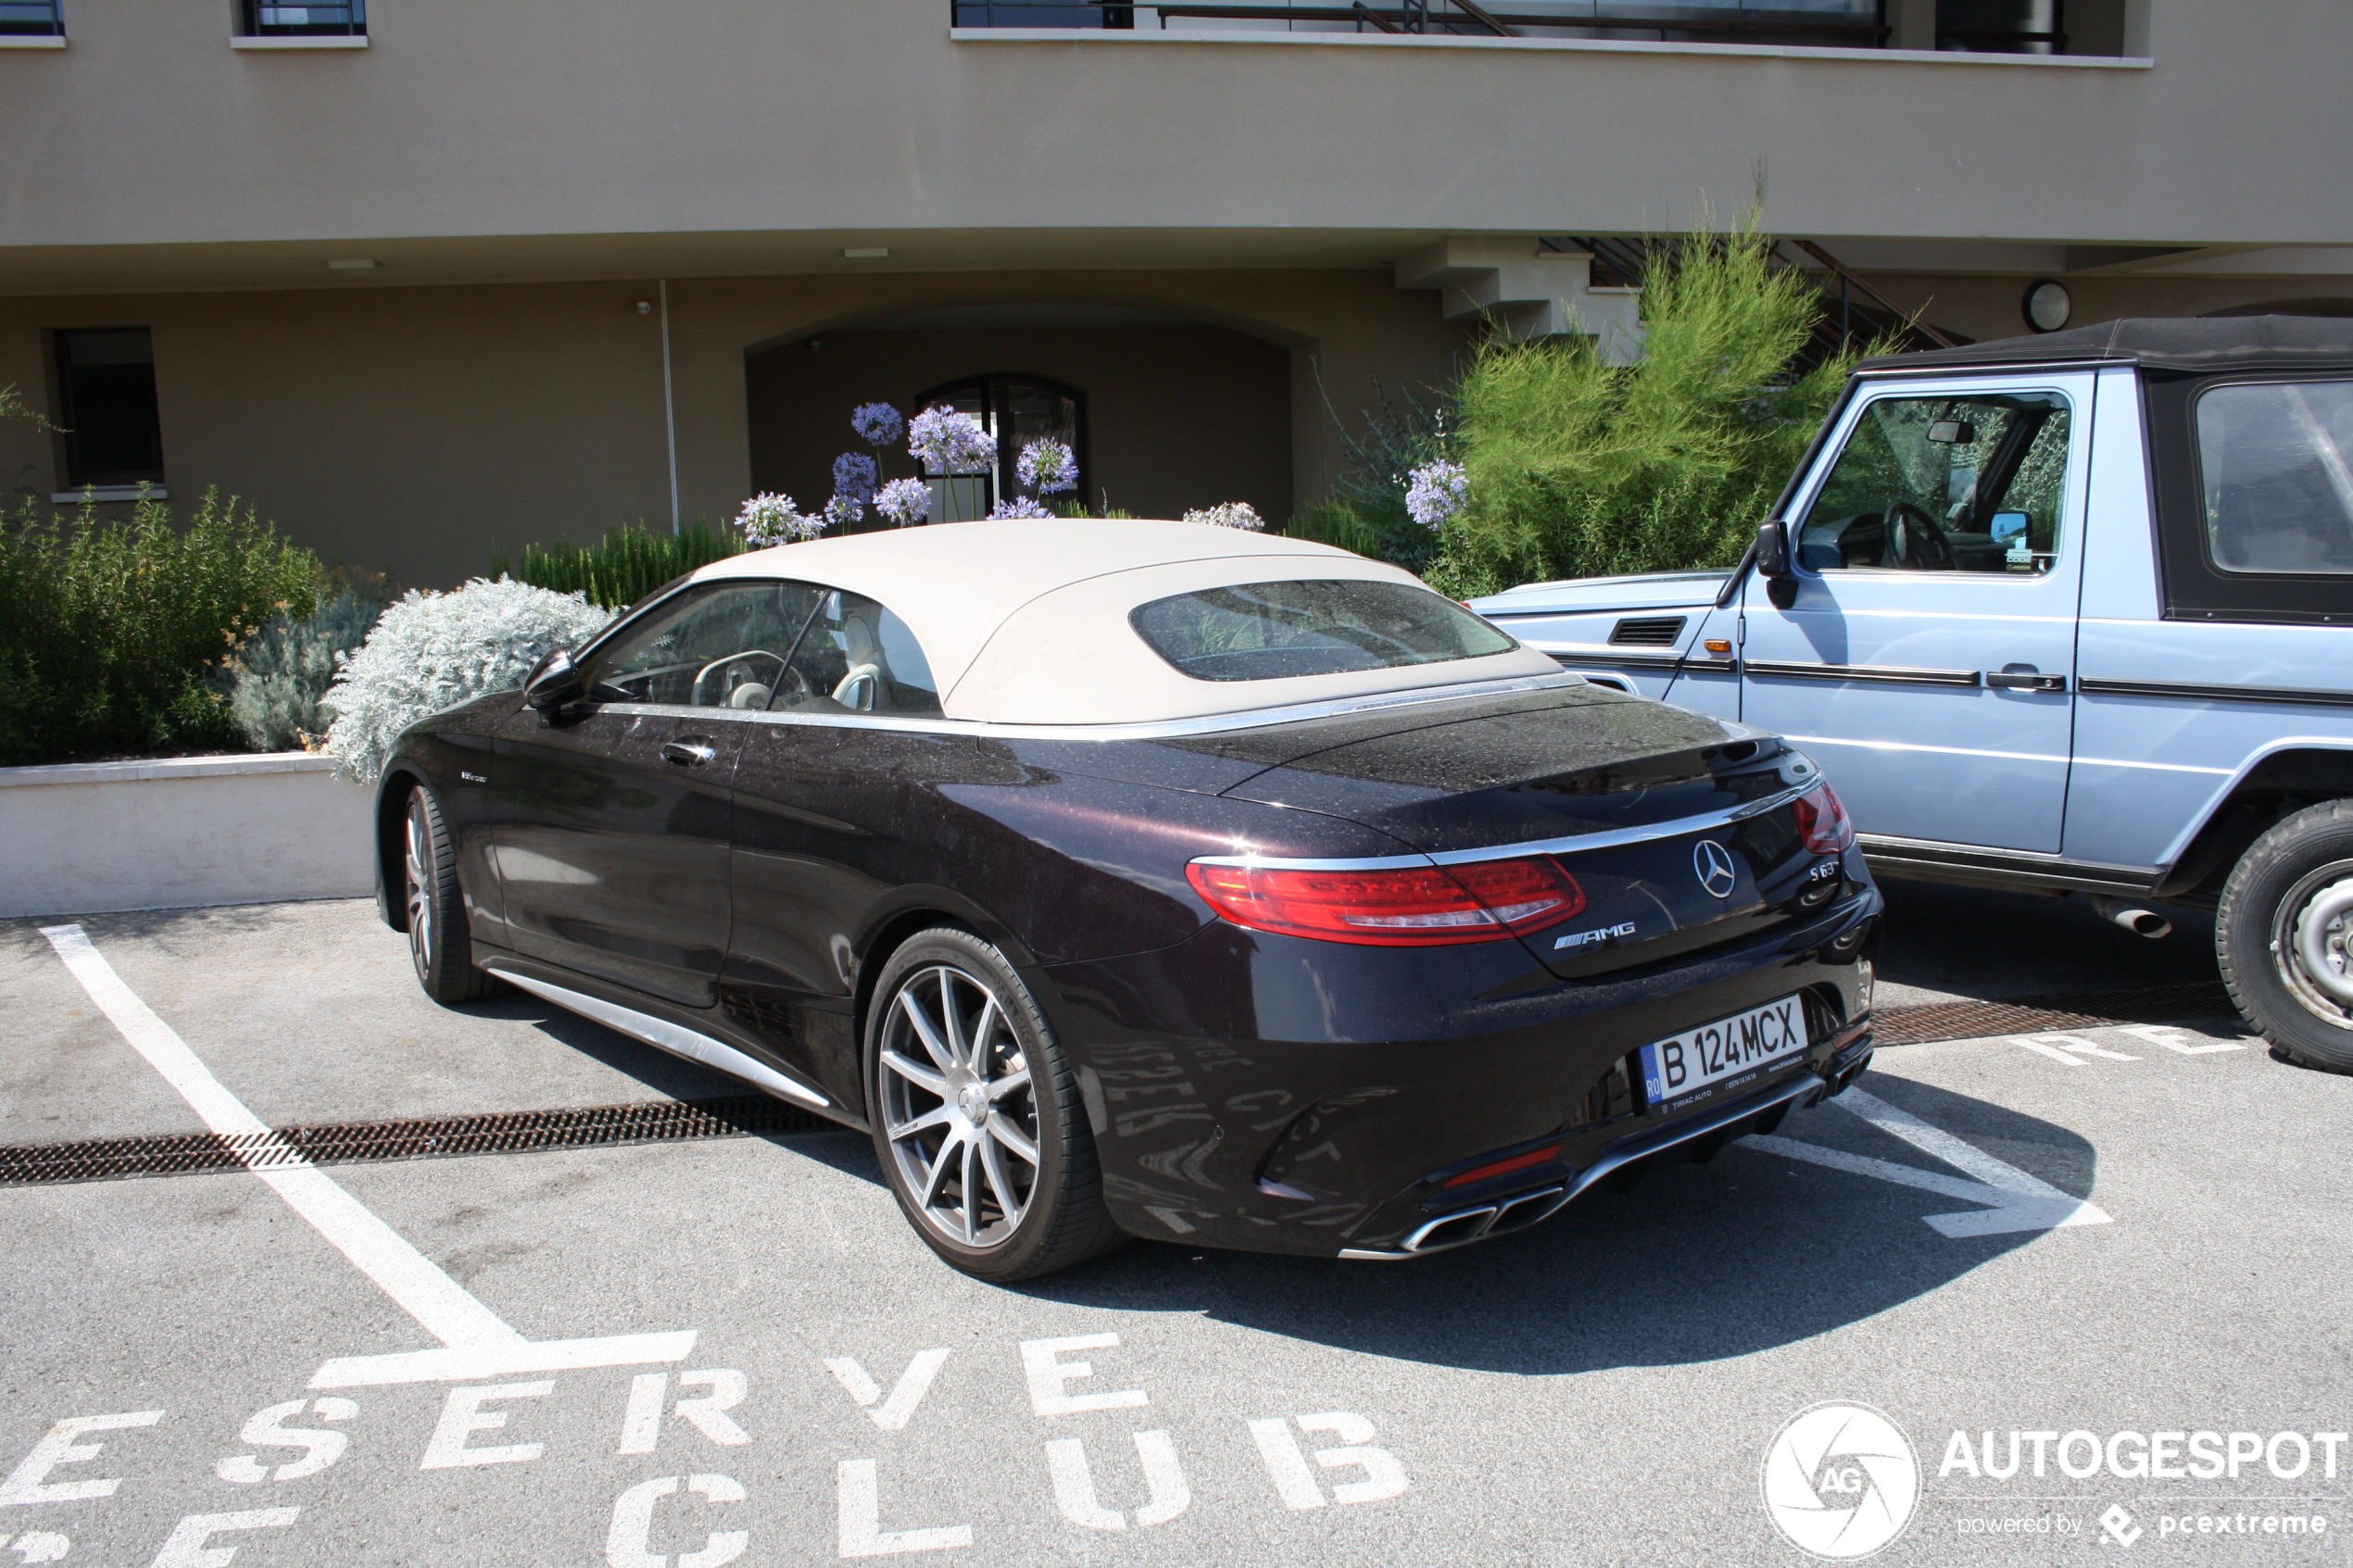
{"x":2025,"y":680}
{"x":690,"y":753}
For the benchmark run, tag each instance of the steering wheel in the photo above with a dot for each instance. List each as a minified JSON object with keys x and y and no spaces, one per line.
{"x":1915,"y":539}
{"x":696,"y":697}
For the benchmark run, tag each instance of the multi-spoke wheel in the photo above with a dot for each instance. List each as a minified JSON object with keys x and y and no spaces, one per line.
{"x":977,"y":1120}
{"x":434,"y":908}
{"x":2283,"y":933}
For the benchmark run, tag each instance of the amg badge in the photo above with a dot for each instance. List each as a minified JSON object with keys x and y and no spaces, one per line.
{"x":1599,"y":934}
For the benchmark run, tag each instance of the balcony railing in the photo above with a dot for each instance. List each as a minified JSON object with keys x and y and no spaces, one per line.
{"x":1856,"y":22}
{"x":32,"y":19}
{"x":266,"y":19}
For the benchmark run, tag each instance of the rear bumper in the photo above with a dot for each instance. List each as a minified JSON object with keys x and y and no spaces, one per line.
{"x":1270,"y":1094}
{"x":1698,"y":1135}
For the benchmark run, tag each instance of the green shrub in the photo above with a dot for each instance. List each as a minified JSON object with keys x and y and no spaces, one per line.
{"x":1578,"y":467}
{"x":110,"y":628}
{"x":622,"y":567}
{"x":278,"y":680}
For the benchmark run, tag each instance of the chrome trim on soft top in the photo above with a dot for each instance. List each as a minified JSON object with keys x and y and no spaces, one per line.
{"x":1163,"y":729}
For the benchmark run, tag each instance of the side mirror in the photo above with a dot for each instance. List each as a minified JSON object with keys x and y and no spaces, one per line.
{"x":553,"y":682}
{"x":1773,"y":564}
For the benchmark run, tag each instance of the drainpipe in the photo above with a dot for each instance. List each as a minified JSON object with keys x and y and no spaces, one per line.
{"x":669,"y":406}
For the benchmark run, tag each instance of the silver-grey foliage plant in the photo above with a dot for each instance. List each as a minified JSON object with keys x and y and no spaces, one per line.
{"x":278,"y":680}
{"x":434,"y":651}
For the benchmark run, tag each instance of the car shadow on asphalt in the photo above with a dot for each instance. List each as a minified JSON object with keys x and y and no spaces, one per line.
{"x":1750,"y":1253}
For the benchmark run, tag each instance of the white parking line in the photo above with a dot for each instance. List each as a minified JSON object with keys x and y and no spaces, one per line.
{"x":476,"y":1342}
{"x":2014,"y":1200}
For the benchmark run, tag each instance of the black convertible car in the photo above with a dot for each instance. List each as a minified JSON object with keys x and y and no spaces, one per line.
{"x":1149,"y":878}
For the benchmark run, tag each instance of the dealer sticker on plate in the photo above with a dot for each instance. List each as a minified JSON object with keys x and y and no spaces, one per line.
{"x":1698,"y":1059}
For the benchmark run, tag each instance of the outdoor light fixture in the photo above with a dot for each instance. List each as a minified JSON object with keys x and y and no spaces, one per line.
{"x":645,"y":307}
{"x":2046,"y":306}
{"x":356,"y":264}
{"x":874,"y":254}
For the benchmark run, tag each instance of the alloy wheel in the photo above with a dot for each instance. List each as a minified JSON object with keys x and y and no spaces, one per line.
{"x":2309,"y":939}
{"x":959,"y":1107}
{"x":419,"y":875}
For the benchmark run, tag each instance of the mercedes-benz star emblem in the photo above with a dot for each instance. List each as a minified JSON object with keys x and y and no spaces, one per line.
{"x":1713,"y":863}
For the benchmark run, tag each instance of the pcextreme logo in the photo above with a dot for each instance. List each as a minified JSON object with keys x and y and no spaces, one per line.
{"x":1839,"y":1481}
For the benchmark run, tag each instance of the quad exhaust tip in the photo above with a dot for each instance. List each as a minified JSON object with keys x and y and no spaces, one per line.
{"x":2138,"y":921}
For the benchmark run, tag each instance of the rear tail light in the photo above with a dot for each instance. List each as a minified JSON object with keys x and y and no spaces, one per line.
{"x":1398,"y":907}
{"x":1822,"y":822}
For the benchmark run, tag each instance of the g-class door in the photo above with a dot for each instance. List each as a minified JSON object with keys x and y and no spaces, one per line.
{"x":1928,"y":656}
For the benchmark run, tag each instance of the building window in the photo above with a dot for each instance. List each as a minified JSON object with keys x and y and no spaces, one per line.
{"x":1018,"y":409}
{"x":1852,"y":23}
{"x":265,"y":18}
{"x":2001,"y":26}
{"x":107,"y":406}
{"x":32,"y":19}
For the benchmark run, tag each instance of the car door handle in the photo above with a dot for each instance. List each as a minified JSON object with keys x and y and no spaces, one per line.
{"x":2025,"y":680}
{"x":690,"y":753}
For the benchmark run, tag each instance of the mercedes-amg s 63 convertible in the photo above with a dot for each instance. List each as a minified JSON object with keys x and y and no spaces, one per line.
{"x":1149,"y":879}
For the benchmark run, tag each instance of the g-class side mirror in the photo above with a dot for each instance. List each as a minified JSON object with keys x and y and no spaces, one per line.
{"x":1773,"y":564}
{"x":553,"y":682}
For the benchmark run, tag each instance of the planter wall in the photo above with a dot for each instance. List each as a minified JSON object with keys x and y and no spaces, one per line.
{"x":93,"y":838}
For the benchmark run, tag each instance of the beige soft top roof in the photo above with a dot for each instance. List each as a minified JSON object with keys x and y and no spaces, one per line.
{"x":1025,"y":621}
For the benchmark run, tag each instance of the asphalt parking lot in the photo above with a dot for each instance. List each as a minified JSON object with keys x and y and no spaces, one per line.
{"x":2115,"y":1250}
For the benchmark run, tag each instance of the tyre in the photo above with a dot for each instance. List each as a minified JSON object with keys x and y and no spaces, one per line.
{"x":2282,"y":935}
{"x":976,"y":1113}
{"x":435,"y":907}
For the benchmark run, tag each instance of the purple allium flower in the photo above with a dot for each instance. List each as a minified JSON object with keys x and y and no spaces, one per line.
{"x":1020,"y":506}
{"x":877,"y":424}
{"x":768,"y":519}
{"x":1233,"y":514}
{"x":1047,"y":467}
{"x":1434,"y":492}
{"x":904,"y":501}
{"x":951,"y":443}
{"x":854,"y":477}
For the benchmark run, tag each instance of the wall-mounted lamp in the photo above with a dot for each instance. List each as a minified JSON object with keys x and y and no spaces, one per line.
{"x":645,"y":307}
{"x":355,"y":264}
{"x":2046,"y":306}
{"x":876,"y":254}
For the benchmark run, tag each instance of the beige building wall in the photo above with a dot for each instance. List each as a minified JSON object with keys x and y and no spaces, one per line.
{"x":414,"y":430}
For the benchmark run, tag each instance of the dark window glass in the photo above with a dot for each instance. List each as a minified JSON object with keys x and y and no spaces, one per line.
{"x":37,"y":19}
{"x":1944,"y":484}
{"x":2277,"y":462}
{"x":106,"y":379}
{"x":266,"y":19}
{"x":855,"y":656}
{"x":1015,"y":410}
{"x":1267,"y":631}
{"x":722,"y":644}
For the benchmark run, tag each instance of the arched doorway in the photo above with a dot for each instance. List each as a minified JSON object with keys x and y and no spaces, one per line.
{"x":1016,"y":409}
{"x":1171,"y":413}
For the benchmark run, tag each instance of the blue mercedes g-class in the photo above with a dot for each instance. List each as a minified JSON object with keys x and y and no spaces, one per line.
{"x":2071,"y":613}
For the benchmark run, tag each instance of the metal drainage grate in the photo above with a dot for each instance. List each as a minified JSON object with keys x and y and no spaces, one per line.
{"x":509,"y":1133}
{"x":2034,"y":1015}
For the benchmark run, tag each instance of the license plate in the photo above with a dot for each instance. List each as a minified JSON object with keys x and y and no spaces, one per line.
{"x":1683,"y":1064}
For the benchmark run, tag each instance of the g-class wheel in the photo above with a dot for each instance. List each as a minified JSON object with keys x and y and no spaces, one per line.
{"x":2283,"y":931}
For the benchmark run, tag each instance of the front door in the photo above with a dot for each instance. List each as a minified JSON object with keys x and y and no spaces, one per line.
{"x":613,"y":850}
{"x":1927,"y":658}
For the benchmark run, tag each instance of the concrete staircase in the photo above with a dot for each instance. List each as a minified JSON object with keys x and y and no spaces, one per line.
{"x":1526,"y":292}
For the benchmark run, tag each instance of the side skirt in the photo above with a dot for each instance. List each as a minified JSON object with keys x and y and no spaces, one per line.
{"x":1929,"y":862}
{"x":663,"y":1034}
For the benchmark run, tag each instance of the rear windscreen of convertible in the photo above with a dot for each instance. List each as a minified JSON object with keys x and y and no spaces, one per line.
{"x":1265,"y":631}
